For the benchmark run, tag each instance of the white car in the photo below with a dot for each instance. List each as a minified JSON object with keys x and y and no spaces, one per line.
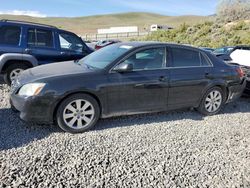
{"x":241,"y":57}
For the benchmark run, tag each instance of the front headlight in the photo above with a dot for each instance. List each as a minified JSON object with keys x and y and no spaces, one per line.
{"x":31,"y":89}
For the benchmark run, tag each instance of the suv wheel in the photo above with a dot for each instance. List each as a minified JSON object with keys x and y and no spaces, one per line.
{"x":78,"y":113}
{"x":13,"y":71}
{"x":212,"y":101}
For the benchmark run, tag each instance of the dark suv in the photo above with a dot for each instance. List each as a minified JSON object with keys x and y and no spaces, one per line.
{"x":24,"y":45}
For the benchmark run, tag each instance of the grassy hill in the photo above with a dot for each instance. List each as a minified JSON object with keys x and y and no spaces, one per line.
{"x":89,"y":24}
{"x":209,"y":34}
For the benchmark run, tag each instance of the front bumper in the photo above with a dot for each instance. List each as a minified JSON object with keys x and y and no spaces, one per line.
{"x":236,"y":91}
{"x":38,"y":109}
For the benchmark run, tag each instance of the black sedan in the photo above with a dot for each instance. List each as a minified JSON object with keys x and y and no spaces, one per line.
{"x":122,"y":79}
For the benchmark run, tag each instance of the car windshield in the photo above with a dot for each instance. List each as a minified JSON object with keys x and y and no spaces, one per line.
{"x":100,"y":59}
{"x":224,"y":50}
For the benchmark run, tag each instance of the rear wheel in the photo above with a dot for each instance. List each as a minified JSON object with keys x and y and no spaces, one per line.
{"x":78,"y":113}
{"x":212,"y":101}
{"x":13,"y":71}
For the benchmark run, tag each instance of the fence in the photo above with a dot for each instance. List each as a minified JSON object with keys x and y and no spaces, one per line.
{"x":96,"y":37}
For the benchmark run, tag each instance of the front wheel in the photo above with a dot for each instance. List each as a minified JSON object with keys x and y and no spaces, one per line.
{"x":78,"y":113}
{"x":212,"y":102}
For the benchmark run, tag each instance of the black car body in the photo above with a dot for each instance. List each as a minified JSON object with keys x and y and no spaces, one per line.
{"x":24,"y":45}
{"x":141,"y":77}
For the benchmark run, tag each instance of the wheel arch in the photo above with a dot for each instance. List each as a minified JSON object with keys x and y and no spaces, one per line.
{"x":221,"y":85}
{"x":74,"y":93}
{"x":15,"y":61}
{"x":9,"y":58}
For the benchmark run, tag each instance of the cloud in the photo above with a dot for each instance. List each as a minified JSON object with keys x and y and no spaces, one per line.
{"x":25,"y":13}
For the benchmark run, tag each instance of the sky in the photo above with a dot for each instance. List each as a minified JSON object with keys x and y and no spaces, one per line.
{"x":76,"y":8}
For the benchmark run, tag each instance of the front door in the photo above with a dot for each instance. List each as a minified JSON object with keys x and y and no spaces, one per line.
{"x":72,"y":46}
{"x":143,"y":89}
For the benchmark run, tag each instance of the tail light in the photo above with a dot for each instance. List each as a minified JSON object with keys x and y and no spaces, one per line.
{"x":240,"y":72}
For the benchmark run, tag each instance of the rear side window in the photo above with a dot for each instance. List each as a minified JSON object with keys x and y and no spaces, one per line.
{"x":188,"y":58}
{"x":10,"y":35}
{"x":40,"y":38}
{"x":204,"y":60}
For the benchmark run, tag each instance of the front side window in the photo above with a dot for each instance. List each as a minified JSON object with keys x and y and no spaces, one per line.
{"x":40,"y":38}
{"x":10,"y":35}
{"x":147,"y":59}
{"x":70,"y":42}
{"x":187,"y":58}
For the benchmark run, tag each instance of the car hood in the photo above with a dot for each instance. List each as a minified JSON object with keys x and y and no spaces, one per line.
{"x":52,"y":70}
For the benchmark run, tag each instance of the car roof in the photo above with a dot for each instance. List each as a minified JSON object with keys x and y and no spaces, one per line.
{"x":153,"y":43}
{"x":18,"y":22}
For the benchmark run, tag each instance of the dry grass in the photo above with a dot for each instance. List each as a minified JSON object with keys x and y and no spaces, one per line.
{"x":88,"y":25}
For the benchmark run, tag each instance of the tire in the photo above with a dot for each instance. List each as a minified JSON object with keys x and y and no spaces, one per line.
{"x":10,"y":71}
{"x":217,"y":102}
{"x":74,"y":119}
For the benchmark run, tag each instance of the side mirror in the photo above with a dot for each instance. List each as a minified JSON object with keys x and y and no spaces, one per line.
{"x":124,"y":67}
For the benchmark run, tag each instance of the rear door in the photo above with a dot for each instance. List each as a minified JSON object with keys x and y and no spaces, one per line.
{"x":143,"y":89}
{"x":41,"y":44}
{"x":190,"y":72}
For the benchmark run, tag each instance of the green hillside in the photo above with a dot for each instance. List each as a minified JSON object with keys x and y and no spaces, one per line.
{"x":89,"y":24}
{"x":209,"y":34}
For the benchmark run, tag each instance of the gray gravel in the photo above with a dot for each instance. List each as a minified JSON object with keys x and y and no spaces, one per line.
{"x":178,"y":149}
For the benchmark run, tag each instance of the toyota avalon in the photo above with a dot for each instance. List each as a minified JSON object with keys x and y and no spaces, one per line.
{"x":123,"y":79}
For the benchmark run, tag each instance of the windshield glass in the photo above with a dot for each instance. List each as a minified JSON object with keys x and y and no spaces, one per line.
{"x":100,"y":59}
{"x":224,"y":50}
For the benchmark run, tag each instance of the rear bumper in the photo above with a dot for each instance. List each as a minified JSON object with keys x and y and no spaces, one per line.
{"x":236,"y":91}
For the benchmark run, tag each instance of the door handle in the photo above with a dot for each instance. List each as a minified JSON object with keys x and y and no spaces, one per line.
{"x":64,"y":53}
{"x":27,"y":50}
{"x":208,"y":75}
{"x":162,"y":79}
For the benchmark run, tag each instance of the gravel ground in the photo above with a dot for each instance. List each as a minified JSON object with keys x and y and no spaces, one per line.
{"x":178,"y":149}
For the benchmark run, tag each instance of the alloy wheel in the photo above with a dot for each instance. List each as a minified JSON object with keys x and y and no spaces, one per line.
{"x":213,"y":101}
{"x":78,"y":114}
{"x":15,"y":73}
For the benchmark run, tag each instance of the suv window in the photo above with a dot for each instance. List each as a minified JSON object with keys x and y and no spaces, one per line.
{"x":147,"y":59}
{"x":187,"y":58}
{"x":40,"y":38}
{"x":71,"y":42}
{"x":10,"y":35}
